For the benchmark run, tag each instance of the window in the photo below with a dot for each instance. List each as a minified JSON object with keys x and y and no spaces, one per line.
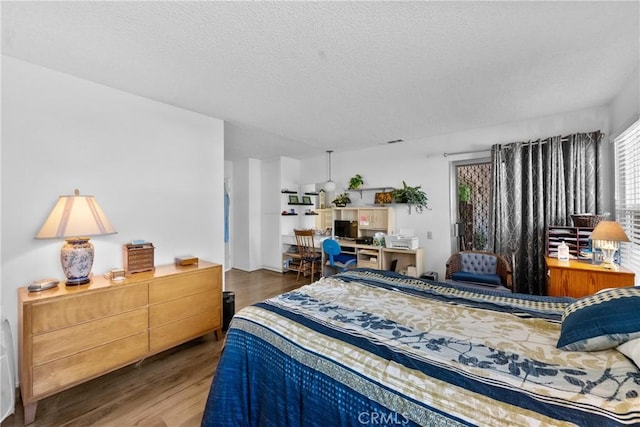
{"x":473,"y":196}
{"x":627,"y":172}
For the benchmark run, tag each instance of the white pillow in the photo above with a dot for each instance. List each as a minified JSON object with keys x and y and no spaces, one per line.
{"x":631,"y":349}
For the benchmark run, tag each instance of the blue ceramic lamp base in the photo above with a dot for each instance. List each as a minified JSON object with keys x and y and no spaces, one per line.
{"x":76,"y":257}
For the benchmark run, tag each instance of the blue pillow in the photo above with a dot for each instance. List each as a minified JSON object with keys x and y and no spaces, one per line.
{"x":466,"y":276}
{"x":601,"y":321}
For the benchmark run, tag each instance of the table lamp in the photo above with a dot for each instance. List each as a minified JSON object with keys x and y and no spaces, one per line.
{"x":606,"y":236}
{"x":76,"y":218}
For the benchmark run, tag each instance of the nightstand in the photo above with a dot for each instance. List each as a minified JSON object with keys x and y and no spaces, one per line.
{"x":577,"y":279}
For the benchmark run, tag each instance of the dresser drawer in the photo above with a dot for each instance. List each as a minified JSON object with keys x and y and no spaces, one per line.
{"x":85,"y":336}
{"x":183,"y":330}
{"x":75,"y":309}
{"x":177,"y":309}
{"x":180,"y":286}
{"x":87,"y":364}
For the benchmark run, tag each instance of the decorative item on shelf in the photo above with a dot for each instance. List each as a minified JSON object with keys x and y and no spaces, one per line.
{"x":186,"y":260}
{"x":587,"y":219}
{"x":378,"y":239}
{"x":341,"y":200}
{"x":322,"y":198}
{"x":75,"y":219}
{"x":293,"y":199}
{"x":412,"y":196}
{"x":306,"y":200}
{"x":383,"y":198}
{"x":138,"y":256}
{"x":607,"y":237}
{"x":355,"y":182}
{"x":329,"y":186}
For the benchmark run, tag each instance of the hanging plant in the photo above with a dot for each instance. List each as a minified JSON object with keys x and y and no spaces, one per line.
{"x":341,"y":200}
{"x":355,"y":182}
{"x":412,"y":196}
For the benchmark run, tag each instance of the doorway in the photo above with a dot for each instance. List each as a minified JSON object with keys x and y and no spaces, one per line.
{"x":472,"y":193}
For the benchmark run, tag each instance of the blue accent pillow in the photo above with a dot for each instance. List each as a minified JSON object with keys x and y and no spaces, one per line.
{"x":601,"y":321}
{"x":466,"y":276}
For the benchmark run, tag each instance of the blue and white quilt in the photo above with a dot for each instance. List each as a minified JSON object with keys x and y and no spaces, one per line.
{"x":367,"y":347}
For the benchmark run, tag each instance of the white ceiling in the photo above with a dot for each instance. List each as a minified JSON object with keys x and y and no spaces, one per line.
{"x":298,"y":78}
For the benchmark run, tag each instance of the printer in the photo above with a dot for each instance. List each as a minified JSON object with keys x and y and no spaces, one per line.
{"x":400,"y":241}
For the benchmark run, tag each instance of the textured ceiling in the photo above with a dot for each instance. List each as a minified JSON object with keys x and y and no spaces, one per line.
{"x":298,"y":78}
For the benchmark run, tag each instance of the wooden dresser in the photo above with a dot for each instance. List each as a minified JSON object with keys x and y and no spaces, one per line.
{"x":71,"y":334}
{"x":580,"y":278}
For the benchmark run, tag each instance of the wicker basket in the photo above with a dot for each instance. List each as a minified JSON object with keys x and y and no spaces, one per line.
{"x":587,"y":220}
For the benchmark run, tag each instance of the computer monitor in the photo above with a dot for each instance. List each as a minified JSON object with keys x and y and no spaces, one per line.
{"x":345,"y":229}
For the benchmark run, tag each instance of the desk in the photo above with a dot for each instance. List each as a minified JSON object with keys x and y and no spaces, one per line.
{"x":577,"y":279}
{"x":404,"y":258}
{"x":368,"y":256}
{"x":380,"y":258}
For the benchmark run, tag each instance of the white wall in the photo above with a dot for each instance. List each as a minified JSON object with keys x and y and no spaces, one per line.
{"x":247,"y":222}
{"x":156,"y":170}
{"x":271,"y":257}
{"x":625,"y":107}
{"x":421,"y":162}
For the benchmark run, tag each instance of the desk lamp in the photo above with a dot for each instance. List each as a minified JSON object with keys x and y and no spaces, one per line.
{"x":607,"y":236}
{"x":75,"y":218}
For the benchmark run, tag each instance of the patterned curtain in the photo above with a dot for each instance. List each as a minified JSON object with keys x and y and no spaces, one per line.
{"x":536,"y":184}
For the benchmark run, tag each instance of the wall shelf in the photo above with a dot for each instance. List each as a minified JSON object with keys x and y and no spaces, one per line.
{"x":360,"y":190}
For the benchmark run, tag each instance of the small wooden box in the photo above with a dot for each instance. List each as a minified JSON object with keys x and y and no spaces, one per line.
{"x":138,"y":257}
{"x":186,"y":260}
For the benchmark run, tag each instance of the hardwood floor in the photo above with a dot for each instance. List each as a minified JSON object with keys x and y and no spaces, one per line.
{"x":168,"y":389}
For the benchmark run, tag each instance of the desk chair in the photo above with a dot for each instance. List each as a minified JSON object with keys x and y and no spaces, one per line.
{"x":307,"y":252}
{"x":337,"y":260}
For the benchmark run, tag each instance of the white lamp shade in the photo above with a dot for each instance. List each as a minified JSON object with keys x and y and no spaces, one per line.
{"x":75,"y":216}
{"x":329,"y":186}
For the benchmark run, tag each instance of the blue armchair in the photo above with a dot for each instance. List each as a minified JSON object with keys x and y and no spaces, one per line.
{"x":479,"y":267}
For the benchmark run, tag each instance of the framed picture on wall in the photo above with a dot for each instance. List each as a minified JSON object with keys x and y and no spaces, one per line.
{"x":293,"y":199}
{"x":306,"y":200}
{"x":383,"y":198}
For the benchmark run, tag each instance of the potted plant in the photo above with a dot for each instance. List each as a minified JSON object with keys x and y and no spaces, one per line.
{"x":341,"y":200}
{"x":355,"y":182}
{"x":464,"y":193}
{"x":412,"y":196}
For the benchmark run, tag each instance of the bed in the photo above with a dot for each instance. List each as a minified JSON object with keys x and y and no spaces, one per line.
{"x":367,"y":347}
